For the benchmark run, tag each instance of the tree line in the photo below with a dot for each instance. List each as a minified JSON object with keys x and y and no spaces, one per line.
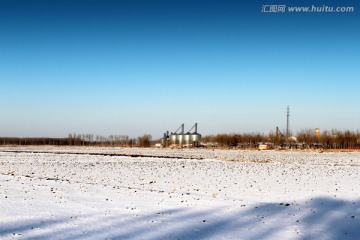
{"x":306,"y":138}
{"x":83,"y":140}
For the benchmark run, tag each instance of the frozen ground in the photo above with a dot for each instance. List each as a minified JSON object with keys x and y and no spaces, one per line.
{"x":68,"y":193}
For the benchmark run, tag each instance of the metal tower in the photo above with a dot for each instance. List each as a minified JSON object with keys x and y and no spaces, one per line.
{"x":287,"y":123}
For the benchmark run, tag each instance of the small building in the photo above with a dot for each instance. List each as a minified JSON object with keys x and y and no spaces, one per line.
{"x":265,"y":146}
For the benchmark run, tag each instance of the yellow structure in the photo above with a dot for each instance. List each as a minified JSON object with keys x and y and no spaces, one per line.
{"x":317,"y":132}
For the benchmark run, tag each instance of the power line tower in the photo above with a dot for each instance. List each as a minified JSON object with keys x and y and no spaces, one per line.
{"x":287,"y":123}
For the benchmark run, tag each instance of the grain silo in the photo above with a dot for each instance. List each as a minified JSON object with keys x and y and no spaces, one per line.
{"x":173,"y":137}
{"x":185,"y":139}
{"x":179,"y":139}
{"x":195,"y":137}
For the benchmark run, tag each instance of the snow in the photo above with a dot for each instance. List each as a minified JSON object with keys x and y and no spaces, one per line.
{"x":96,"y":193}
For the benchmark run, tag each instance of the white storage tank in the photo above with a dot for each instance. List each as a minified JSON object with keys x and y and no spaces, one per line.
{"x":195,"y":138}
{"x":182,"y":138}
{"x":179,"y":139}
{"x":187,"y":139}
{"x":173,"y":138}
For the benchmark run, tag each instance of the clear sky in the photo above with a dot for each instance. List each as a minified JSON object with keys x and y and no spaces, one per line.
{"x":142,"y":66}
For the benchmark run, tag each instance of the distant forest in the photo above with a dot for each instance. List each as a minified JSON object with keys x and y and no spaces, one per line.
{"x":307,"y":138}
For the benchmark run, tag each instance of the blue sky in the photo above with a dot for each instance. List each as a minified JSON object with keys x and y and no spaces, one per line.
{"x":135,"y":67}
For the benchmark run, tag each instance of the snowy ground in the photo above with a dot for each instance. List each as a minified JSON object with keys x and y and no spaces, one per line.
{"x":53,"y":193}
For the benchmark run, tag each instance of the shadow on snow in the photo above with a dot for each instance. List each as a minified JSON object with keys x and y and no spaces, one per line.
{"x":318,"y":218}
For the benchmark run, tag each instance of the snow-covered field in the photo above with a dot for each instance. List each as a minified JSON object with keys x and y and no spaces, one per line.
{"x":94,"y":193}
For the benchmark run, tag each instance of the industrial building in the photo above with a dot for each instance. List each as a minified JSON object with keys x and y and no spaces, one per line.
{"x":181,"y":138}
